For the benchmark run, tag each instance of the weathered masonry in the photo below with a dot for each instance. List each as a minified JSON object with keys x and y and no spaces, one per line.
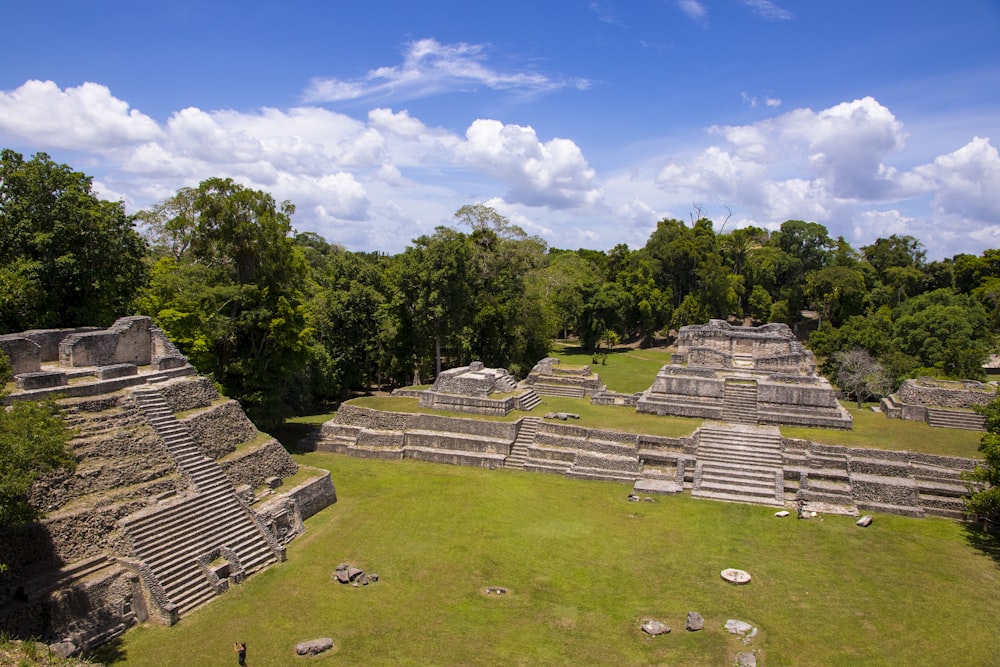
{"x":751,"y":375}
{"x":734,"y":462}
{"x":175,"y":496}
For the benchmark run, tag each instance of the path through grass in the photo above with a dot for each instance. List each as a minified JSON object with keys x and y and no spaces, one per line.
{"x":584,"y":567}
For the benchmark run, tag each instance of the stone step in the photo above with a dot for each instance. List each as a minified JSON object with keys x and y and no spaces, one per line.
{"x":738,"y":498}
{"x":765,"y":491}
{"x":601,"y":474}
{"x":738,"y":473}
{"x":567,"y":391}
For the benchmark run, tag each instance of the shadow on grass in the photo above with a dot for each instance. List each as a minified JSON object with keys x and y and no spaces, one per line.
{"x":985,"y":540}
{"x":294,"y":436}
{"x":109,"y":653}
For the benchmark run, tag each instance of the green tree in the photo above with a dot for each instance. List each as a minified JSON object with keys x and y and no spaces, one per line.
{"x":67,"y":258}
{"x":33,"y":441}
{"x":507,"y":327}
{"x":944,"y":330}
{"x":983,"y":500}
{"x":230,"y":295}
{"x":434,"y":303}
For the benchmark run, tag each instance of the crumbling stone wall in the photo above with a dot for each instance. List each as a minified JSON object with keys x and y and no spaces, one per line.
{"x":126,"y":341}
{"x":255,"y":466}
{"x":353,"y":415}
{"x":944,"y":393}
{"x":189,"y":393}
{"x":220,"y":428}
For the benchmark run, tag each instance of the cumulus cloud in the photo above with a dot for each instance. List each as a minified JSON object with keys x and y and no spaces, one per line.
{"x":87,"y":117}
{"x":802,"y":163}
{"x":966,"y":181}
{"x":431,"y":68}
{"x":552,"y":173}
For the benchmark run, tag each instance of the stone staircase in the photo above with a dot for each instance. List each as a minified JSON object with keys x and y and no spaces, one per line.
{"x":740,"y":465}
{"x":519,"y":450}
{"x":177,"y":541}
{"x":962,"y":419}
{"x":203,"y":472}
{"x":505,"y":384}
{"x":529,"y":400}
{"x":743,"y":361}
{"x":740,"y":401}
{"x":825,"y":480}
{"x":564,"y":390}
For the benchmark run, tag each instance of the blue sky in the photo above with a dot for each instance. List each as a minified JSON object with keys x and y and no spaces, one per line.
{"x":584,"y":122}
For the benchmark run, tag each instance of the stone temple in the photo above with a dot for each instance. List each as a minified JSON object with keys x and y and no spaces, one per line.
{"x":176,"y":495}
{"x":753,"y":375}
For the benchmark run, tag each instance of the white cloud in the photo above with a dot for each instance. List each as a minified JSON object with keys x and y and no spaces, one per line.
{"x":431,"y":68}
{"x":694,"y":10}
{"x":768,"y":11}
{"x":966,"y":181}
{"x":382,"y":179}
{"x":87,"y":117}
{"x":552,"y":173}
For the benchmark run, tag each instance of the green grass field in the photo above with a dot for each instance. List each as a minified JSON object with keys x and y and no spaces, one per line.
{"x":584,"y":567}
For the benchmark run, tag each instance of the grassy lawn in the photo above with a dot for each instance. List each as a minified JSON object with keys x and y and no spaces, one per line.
{"x":625,"y":371}
{"x":584,"y":567}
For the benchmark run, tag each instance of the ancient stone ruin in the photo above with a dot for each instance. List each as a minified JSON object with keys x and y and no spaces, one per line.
{"x":942,"y":403}
{"x":175,"y":497}
{"x":478,"y":390}
{"x":550,"y":378}
{"x":755,"y":375}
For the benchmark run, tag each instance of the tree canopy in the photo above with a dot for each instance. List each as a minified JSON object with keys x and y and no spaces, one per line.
{"x":67,"y":258}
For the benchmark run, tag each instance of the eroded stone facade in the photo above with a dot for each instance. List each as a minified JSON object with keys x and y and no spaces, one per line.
{"x":79,"y":575}
{"x":758,"y":375}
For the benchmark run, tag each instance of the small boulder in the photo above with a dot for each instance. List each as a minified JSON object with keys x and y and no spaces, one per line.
{"x":314,"y":646}
{"x":695,"y":622}
{"x":864,"y":521}
{"x":782,"y":514}
{"x":654,"y":628}
{"x":746,"y":659}
{"x":735,"y":627}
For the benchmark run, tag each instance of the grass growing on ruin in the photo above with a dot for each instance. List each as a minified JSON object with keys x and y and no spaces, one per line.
{"x":584,"y":567}
{"x":874,"y":430}
{"x":624,"y":371}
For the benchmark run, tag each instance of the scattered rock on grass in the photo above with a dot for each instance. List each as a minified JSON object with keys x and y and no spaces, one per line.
{"x":746,"y":659}
{"x":736,"y":627}
{"x":695,"y":621}
{"x":864,"y":521}
{"x":654,"y":628}
{"x":314,"y":646}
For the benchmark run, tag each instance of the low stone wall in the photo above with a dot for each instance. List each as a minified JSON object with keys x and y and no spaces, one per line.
{"x":189,"y":393}
{"x":220,"y":428}
{"x":352,"y":415}
{"x":314,"y":494}
{"x":471,"y":404}
{"x":28,"y":350}
{"x":255,"y":466}
{"x":946,"y":394}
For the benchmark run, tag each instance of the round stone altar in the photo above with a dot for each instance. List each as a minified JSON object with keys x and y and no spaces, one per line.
{"x":734,"y":576}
